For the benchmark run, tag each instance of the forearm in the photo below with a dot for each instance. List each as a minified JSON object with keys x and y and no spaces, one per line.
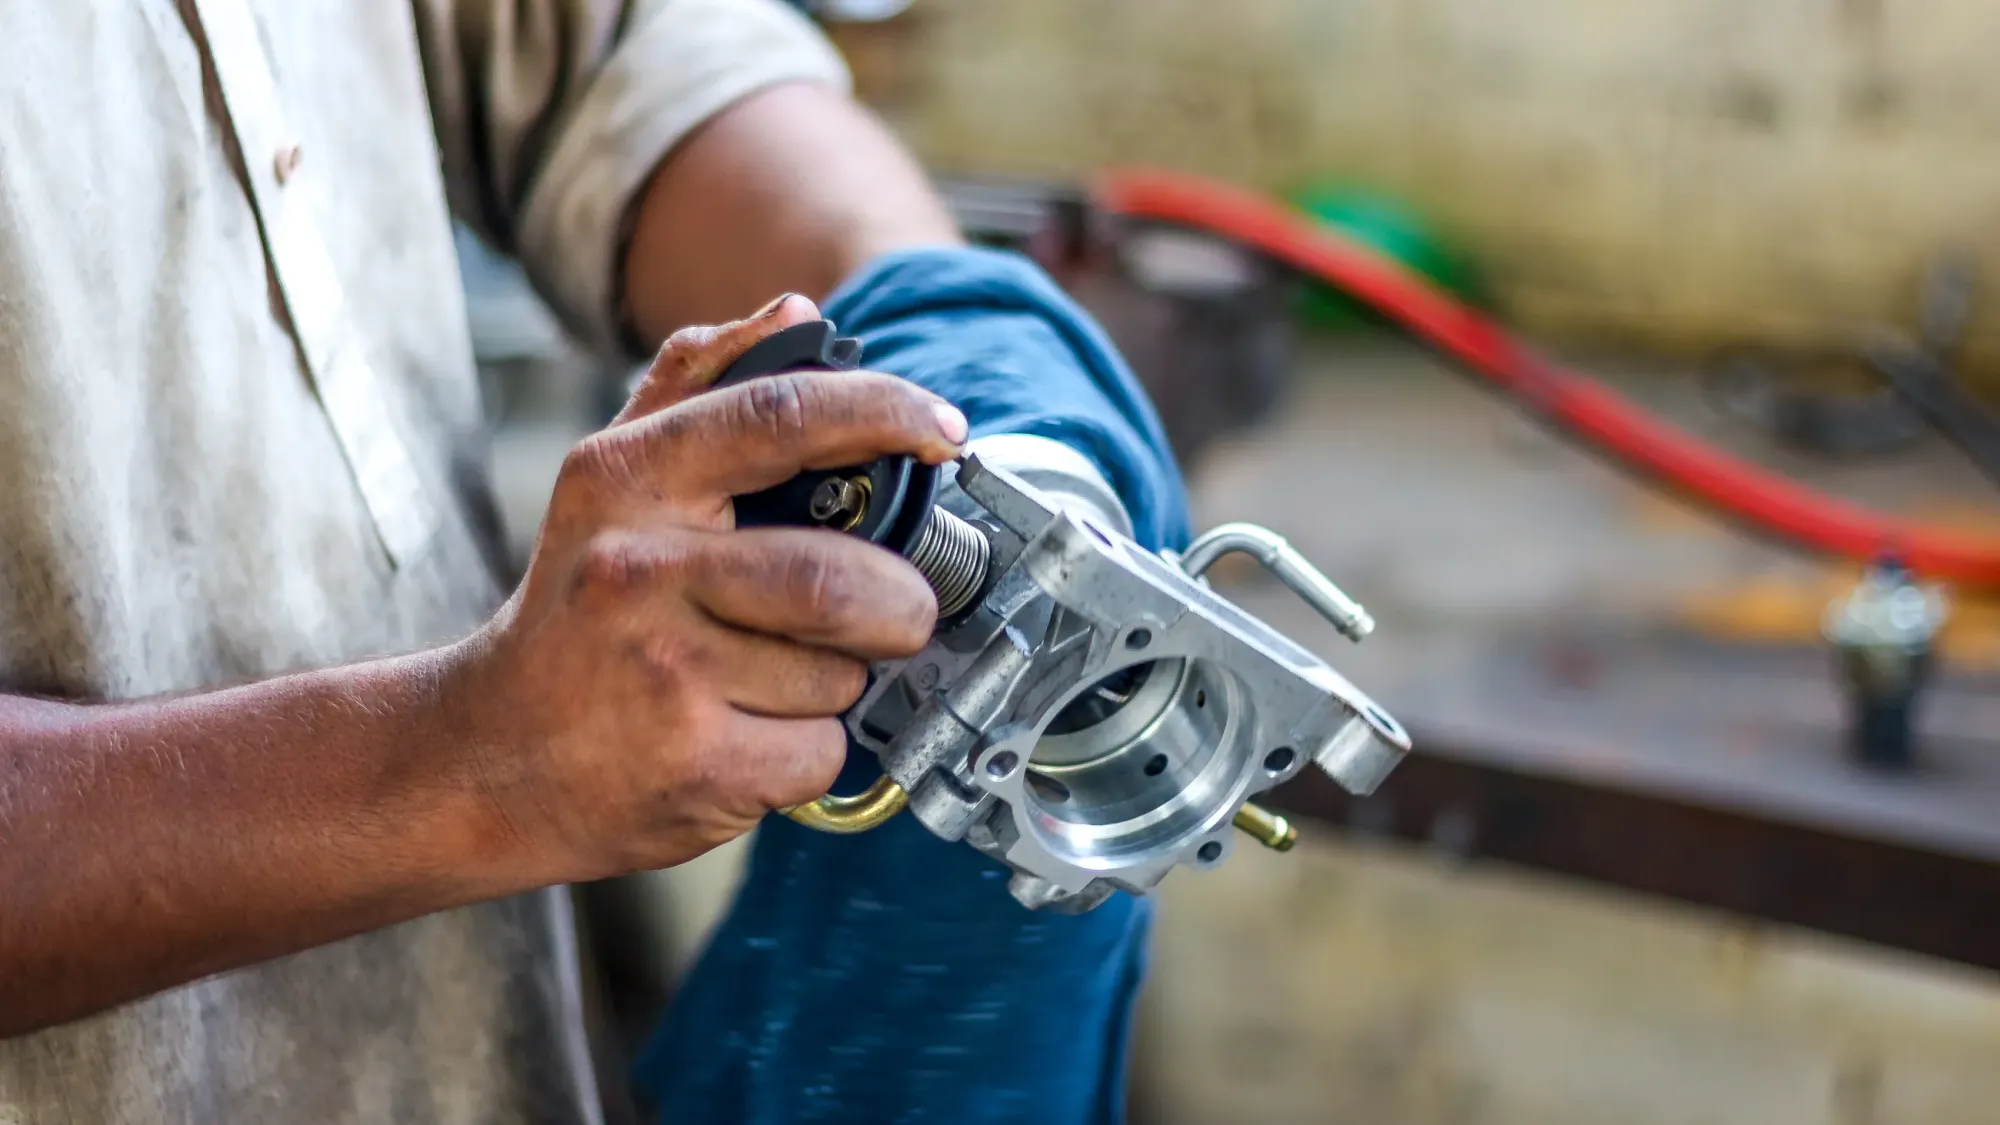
{"x":792,"y":189}
{"x":147,"y":844}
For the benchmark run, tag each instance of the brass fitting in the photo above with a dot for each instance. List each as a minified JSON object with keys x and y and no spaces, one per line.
{"x":841,"y":503}
{"x":1266,"y":827}
{"x":845,"y":816}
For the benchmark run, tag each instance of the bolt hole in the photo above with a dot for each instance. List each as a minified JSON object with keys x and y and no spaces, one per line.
{"x":1138,"y":639}
{"x":1201,"y":699}
{"x":1210,"y":852}
{"x":1002,"y":764}
{"x":1280,"y":760}
{"x":1048,"y":789}
{"x":1156,"y":765}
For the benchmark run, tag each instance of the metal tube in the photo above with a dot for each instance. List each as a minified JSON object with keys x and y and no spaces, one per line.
{"x":1266,"y":827}
{"x":1304,"y":579}
{"x":845,"y":816}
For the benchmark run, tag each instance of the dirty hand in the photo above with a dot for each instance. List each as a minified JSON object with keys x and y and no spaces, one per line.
{"x":661,"y":680}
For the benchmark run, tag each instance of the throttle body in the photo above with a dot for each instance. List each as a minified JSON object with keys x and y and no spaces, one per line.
{"x":1087,"y":712}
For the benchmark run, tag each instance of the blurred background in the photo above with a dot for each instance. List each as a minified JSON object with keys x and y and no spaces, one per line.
{"x":1703,"y":824}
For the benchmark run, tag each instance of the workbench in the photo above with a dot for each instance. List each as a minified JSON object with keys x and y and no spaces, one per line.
{"x":1606,"y":685}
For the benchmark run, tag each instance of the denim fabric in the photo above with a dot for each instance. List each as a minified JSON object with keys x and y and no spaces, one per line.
{"x":889,"y":977}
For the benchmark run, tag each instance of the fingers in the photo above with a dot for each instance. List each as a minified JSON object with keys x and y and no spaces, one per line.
{"x":764,"y":675}
{"x":692,"y":358}
{"x":778,"y":763}
{"x":748,"y":437}
{"x":815,"y":587}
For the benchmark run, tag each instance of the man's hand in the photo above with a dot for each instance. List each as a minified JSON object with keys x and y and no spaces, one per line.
{"x":657,"y":683}
{"x":660,"y":681}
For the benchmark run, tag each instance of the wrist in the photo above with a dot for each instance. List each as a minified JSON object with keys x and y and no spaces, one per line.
{"x":478,"y":774}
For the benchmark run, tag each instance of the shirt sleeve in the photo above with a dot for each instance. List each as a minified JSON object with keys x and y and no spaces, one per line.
{"x":552,"y":114}
{"x":991,"y":332}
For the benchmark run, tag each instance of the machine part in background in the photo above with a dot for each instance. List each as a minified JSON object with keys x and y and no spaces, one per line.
{"x":1885,"y":635}
{"x":1100,"y":717}
{"x":1928,"y":386}
{"x":1920,"y":373}
{"x":1205,"y":322}
{"x":1784,"y":399}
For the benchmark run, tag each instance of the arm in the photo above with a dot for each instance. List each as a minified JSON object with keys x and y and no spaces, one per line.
{"x":146,"y":844}
{"x":955,"y":974}
{"x":655,"y":163}
{"x":794,"y":188}
{"x":651,"y":690}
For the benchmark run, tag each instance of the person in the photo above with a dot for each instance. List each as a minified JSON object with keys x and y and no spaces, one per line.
{"x":289,"y":785}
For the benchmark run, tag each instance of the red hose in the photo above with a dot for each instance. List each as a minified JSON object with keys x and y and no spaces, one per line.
{"x":1577,"y":405}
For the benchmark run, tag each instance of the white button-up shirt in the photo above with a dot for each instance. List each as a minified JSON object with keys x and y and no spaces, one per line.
{"x":240,"y":434}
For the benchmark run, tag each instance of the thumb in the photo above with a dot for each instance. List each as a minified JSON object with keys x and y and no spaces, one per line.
{"x":694,"y":357}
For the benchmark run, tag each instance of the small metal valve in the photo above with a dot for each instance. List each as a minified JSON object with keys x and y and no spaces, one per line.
{"x":1884,"y":633}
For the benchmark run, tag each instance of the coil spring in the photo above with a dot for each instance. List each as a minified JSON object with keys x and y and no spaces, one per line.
{"x":952,"y":556}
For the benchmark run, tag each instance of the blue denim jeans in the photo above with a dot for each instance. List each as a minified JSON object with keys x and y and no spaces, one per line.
{"x":889,"y":977}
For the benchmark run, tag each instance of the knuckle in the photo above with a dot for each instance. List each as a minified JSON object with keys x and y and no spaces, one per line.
{"x":776,"y":407}
{"x":914,"y":607}
{"x":817,"y":586}
{"x":822,"y":751}
{"x":664,"y":666}
{"x":898,"y":402}
{"x":612,"y":565}
{"x":604,"y":459}
{"x":914,"y":626}
{"x":903,"y":609}
{"x":686,"y":343}
{"x":708,"y":730}
{"x":846,"y":681}
{"x":585,"y":459}
{"x":680,"y":558}
{"x":686,"y":359}
{"x":670,"y":370}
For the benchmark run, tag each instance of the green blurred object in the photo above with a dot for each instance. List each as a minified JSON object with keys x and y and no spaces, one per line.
{"x":1386,"y":224}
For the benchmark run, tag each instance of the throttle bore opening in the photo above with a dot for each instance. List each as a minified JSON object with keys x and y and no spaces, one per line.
{"x":1047,"y":789}
{"x":1101,"y":700}
{"x":1134,"y":763}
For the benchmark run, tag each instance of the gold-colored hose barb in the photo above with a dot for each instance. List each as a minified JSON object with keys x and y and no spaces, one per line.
{"x":1266,"y":827}
{"x":845,"y":816}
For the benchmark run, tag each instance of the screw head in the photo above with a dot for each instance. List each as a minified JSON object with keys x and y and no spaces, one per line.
{"x":839,"y":502}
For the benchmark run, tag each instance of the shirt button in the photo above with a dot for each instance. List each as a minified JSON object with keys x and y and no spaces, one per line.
{"x":286,"y":162}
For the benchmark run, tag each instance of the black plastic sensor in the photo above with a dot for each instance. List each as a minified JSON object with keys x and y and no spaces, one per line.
{"x":889,"y":500}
